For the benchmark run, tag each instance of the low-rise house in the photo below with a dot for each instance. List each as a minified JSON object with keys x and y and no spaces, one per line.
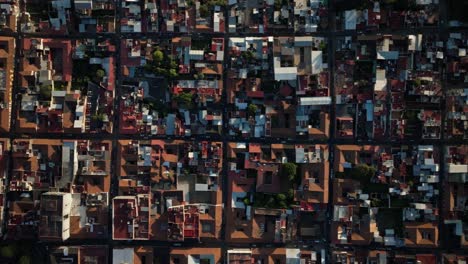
{"x":131,"y":217}
{"x":270,"y":255}
{"x":79,"y":254}
{"x":455,"y":195}
{"x":133,"y":255}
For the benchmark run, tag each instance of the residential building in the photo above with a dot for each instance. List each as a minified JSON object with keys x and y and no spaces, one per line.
{"x":55,"y":216}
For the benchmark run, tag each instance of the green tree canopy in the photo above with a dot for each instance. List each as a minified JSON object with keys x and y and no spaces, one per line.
{"x":217,"y":2}
{"x":204,"y":11}
{"x":290,"y":169}
{"x":8,"y":251}
{"x":173,"y":64}
{"x":417,"y":82}
{"x":24,"y":260}
{"x":100,"y":73}
{"x":363,"y":173}
{"x":252,"y":109}
{"x":199,"y":76}
{"x":271,"y":202}
{"x":45,"y":91}
{"x":172,"y":73}
{"x":185,"y":99}
{"x":158,"y":56}
{"x":322,"y":45}
{"x":281,"y":197}
{"x":248,"y":55}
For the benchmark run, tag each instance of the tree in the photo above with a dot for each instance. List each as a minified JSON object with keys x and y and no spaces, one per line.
{"x":45,"y":91}
{"x":204,"y":11}
{"x":270,"y":203}
{"x":417,"y":82}
{"x":199,"y":76}
{"x":248,"y":55}
{"x":24,"y":260}
{"x":173,"y":64}
{"x":8,"y":251}
{"x":217,"y":2}
{"x":282,"y":204}
{"x":172,"y":73}
{"x":278,"y":4}
{"x":322,"y":45}
{"x":376,"y":202}
{"x":100,"y":73}
{"x":158,"y":56}
{"x":98,"y":117}
{"x":185,"y":99}
{"x":290,"y":169}
{"x":363,"y":173}
{"x":281,"y":197}
{"x":252,"y":109}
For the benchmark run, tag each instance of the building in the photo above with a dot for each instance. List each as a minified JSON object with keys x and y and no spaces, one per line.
{"x":136,"y":255}
{"x":195,"y":255}
{"x":55,"y":216}
{"x":84,"y":254}
{"x":4,"y":146}
{"x":130,"y":217}
{"x":274,"y":255}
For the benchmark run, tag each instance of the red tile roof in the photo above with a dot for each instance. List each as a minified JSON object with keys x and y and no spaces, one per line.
{"x":255,"y":148}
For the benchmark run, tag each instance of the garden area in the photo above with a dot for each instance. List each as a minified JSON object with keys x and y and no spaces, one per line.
{"x":23,"y":253}
{"x":207,"y":6}
{"x":184,"y":100}
{"x":279,"y":201}
{"x":362,"y":173}
{"x":201,"y":44}
{"x":390,"y":218}
{"x":289,"y":179}
{"x":157,"y":106}
{"x":83,"y":72}
{"x":413,"y":127}
{"x":162,"y":65}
